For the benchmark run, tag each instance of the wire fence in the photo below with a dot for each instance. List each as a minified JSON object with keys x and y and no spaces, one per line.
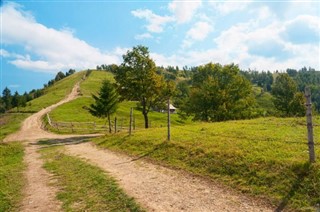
{"x":73,"y":127}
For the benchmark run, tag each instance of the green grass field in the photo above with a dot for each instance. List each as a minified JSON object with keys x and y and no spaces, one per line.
{"x":266,"y":157}
{"x":11,"y":175}
{"x":10,"y":122}
{"x":83,"y":186}
{"x":93,"y":82}
{"x":55,"y":93}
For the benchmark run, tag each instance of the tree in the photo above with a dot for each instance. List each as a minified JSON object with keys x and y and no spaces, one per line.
{"x":138,"y":81}
{"x":15,"y":99}
{"x":60,"y":75}
{"x":219,"y":93}
{"x":70,"y":72}
{"x":287,"y":99}
{"x":105,"y":103}
{"x":7,"y":98}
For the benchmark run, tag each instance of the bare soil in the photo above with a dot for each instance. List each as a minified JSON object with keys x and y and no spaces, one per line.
{"x":162,"y":189}
{"x":155,"y":187}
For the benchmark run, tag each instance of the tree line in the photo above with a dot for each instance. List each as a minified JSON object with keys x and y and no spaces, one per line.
{"x":16,"y":100}
{"x":211,"y":92}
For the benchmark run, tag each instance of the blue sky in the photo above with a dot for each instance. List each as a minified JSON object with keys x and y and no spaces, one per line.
{"x":41,"y":38}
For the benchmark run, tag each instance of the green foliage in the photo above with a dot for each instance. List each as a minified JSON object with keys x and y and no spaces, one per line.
{"x":219,"y":93}
{"x":311,"y":78}
{"x":106,"y":103}
{"x":262,"y":79}
{"x":7,"y":98}
{"x":84,"y":187}
{"x":264,"y":157}
{"x":286,"y":98}
{"x":11,"y":175}
{"x":137,"y":80}
{"x":264,"y":101}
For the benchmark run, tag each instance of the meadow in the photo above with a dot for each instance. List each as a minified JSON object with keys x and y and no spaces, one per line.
{"x":265,"y":157}
{"x":53,"y":94}
{"x":11,"y":163}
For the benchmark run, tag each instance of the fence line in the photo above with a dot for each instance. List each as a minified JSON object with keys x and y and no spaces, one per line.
{"x":85,"y":126}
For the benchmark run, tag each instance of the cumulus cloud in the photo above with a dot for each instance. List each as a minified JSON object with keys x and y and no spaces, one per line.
{"x":156,"y":22}
{"x":198,"y":32}
{"x":184,"y":11}
{"x":51,"y":49}
{"x":227,"y":7}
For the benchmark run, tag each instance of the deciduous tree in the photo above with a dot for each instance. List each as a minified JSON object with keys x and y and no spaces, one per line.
{"x":137,"y":80}
{"x":219,"y":93}
{"x":287,"y":99}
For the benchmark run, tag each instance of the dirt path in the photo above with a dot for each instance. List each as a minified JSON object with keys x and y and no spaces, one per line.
{"x":155,"y":187}
{"x":162,"y":189}
{"x":38,"y":194}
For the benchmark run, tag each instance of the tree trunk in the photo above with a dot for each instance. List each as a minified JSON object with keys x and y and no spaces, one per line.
{"x":146,"y":120}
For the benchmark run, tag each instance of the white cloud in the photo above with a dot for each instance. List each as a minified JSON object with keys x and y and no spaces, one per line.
{"x":4,"y":53}
{"x":256,"y":44}
{"x":143,"y":36}
{"x":184,"y":10}
{"x":155,"y":22}
{"x":227,"y":7}
{"x":52,"y":49}
{"x":198,"y":32}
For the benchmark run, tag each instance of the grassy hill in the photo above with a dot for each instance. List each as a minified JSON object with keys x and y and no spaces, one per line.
{"x":264,"y":157}
{"x":54,"y":93}
{"x":76,"y":110}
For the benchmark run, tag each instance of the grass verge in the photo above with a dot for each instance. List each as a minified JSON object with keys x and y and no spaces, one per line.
{"x":10,"y":122}
{"x":264,"y":157}
{"x":85,"y":187}
{"x":11,"y":175}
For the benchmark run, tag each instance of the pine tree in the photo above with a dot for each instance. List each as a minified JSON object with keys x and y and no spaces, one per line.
{"x":106,"y":102}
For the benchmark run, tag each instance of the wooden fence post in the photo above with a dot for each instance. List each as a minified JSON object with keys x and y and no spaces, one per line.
{"x":130,"y":124}
{"x":312,"y":154}
{"x":134,"y":123}
{"x":169,"y":133}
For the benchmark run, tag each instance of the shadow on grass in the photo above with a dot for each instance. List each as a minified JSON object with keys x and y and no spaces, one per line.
{"x":156,"y":148}
{"x":64,"y":141}
{"x":303,"y":171}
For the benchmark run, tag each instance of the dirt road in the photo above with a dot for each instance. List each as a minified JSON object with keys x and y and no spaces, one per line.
{"x":154,"y":187}
{"x":38,"y":195}
{"x":161,"y":189}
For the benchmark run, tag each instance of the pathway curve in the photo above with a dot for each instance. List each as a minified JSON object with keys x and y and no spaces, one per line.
{"x":38,"y":194}
{"x":155,"y":187}
{"x":162,"y":189}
